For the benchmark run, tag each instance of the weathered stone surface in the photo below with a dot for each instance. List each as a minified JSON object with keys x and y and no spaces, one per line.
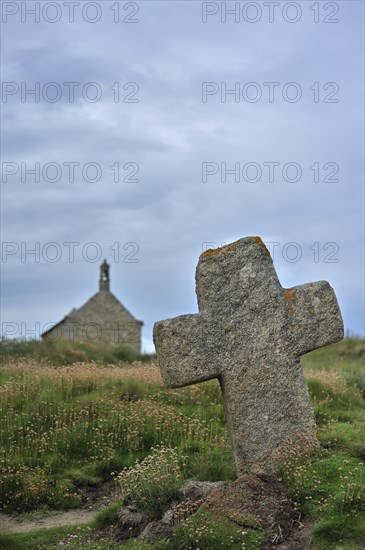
{"x":250,"y":334}
{"x":195,"y":490}
{"x":193,"y":495}
{"x":130,"y":522}
{"x":156,"y":530}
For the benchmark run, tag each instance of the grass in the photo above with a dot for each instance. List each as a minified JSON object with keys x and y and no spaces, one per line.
{"x":70,"y":537}
{"x":345,"y":359}
{"x":65,"y":426}
{"x":203,"y":530}
{"x":68,"y":426}
{"x":64,"y":352}
{"x":52,"y":538}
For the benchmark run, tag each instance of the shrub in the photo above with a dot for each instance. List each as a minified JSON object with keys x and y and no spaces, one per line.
{"x":153,"y":483}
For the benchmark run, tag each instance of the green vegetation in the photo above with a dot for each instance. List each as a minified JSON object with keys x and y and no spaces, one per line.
{"x":154,"y":483}
{"x":205,"y":531}
{"x":69,"y":426}
{"x":71,"y":537}
{"x":75,"y":538}
{"x":66,"y":428}
{"x":64,"y":352}
{"x":346,"y":359}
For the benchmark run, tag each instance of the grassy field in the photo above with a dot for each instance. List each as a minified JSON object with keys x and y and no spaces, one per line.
{"x":68,"y":427}
{"x":62,"y":352}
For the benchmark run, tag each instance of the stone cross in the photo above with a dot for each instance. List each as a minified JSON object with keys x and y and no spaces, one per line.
{"x":250,"y":334}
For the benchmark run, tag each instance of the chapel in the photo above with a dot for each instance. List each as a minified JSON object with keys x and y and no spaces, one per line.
{"x":101,"y":318}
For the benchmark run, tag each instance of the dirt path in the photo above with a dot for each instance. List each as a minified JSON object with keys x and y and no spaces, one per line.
{"x":94,"y":497}
{"x":11,"y":524}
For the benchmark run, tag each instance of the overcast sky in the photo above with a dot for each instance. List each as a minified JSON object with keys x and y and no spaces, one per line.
{"x":146,"y":155}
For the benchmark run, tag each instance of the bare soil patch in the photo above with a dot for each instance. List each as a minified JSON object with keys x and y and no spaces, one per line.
{"x":260,"y":502}
{"x":95,"y":497}
{"x":13,"y":524}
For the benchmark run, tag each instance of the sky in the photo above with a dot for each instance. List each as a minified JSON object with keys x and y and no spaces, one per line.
{"x":145,"y":132}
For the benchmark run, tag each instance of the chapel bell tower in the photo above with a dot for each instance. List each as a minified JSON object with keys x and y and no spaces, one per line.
{"x":104,"y":276}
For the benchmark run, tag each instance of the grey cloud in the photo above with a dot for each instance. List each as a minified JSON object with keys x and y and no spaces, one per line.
{"x":169,"y":133}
